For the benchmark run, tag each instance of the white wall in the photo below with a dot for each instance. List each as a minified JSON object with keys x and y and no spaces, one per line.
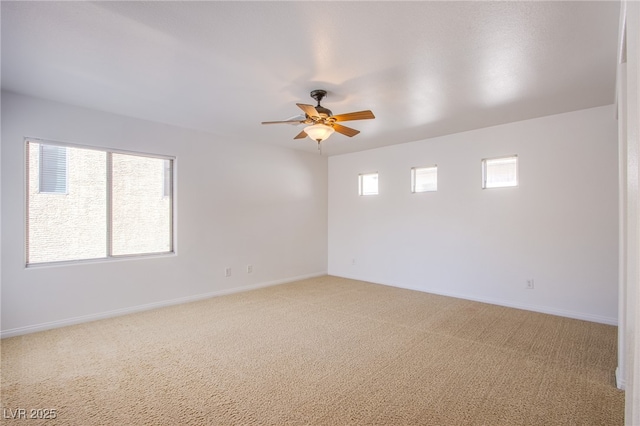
{"x":237,"y":204}
{"x":559,"y":226}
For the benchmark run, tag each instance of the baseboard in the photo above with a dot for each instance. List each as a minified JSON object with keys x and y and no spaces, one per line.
{"x":534,"y":308}
{"x":18,"y":331}
{"x":619,"y":379}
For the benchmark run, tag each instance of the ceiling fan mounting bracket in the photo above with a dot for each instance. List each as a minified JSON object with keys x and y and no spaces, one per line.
{"x":318,"y":95}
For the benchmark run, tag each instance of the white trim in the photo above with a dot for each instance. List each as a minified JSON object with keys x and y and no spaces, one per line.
{"x":620,"y":384}
{"x":155,"y":305}
{"x":621,"y":109}
{"x":632,"y":255}
{"x":534,"y":308}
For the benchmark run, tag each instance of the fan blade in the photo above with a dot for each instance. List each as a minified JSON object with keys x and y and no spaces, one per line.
{"x":310,"y":110}
{"x":360,"y":115}
{"x":347,"y":131}
{"x":285,"y":121}
{"x":301,"y":135}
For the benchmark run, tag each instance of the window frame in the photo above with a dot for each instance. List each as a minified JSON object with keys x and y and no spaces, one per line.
{"x":413,"y":178}
{"x":109,"y":225}
{"x":361,"y":177}
{"x":484,"y":172}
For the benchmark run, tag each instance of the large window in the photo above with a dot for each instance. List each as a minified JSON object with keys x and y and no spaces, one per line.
{"x":500,"y":172}
{"x":87,"y":203}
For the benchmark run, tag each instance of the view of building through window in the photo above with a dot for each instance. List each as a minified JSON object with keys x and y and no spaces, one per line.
{"x":141,"y":218}
{"x":53,"y":169}
{"x":111,"y":204}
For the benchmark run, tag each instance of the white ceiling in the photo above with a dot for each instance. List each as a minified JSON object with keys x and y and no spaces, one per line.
{"x":424,"y":68}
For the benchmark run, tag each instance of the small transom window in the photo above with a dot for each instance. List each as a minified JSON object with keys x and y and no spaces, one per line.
{"x":424,"y":179}
{"x":500,"y":172}
{"x":368,"y":183}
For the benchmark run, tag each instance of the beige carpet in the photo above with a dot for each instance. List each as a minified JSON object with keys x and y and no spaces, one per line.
{"x":324,"y":351}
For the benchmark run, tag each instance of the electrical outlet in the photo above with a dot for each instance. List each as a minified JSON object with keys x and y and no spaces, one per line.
{"x":353,"y":261}
{"x":249,"y":269}
{"x":227,"y":272}
{"x":529,"y":284}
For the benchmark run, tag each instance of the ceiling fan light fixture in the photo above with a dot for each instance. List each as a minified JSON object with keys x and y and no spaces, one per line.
{"x":319,"y":132}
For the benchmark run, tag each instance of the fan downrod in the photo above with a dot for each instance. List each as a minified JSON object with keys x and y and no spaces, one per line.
{"x":318,"y":95}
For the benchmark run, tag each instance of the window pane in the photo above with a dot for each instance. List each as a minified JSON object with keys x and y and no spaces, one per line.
{"x":141,"y":214}
{"x":72,"y":226}
{"x":500,"y":172}
{"x":424,"y":179}
{"x":369,"y":184}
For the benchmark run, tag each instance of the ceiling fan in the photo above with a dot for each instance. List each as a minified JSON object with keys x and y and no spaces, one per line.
{"x":321,"y":121}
